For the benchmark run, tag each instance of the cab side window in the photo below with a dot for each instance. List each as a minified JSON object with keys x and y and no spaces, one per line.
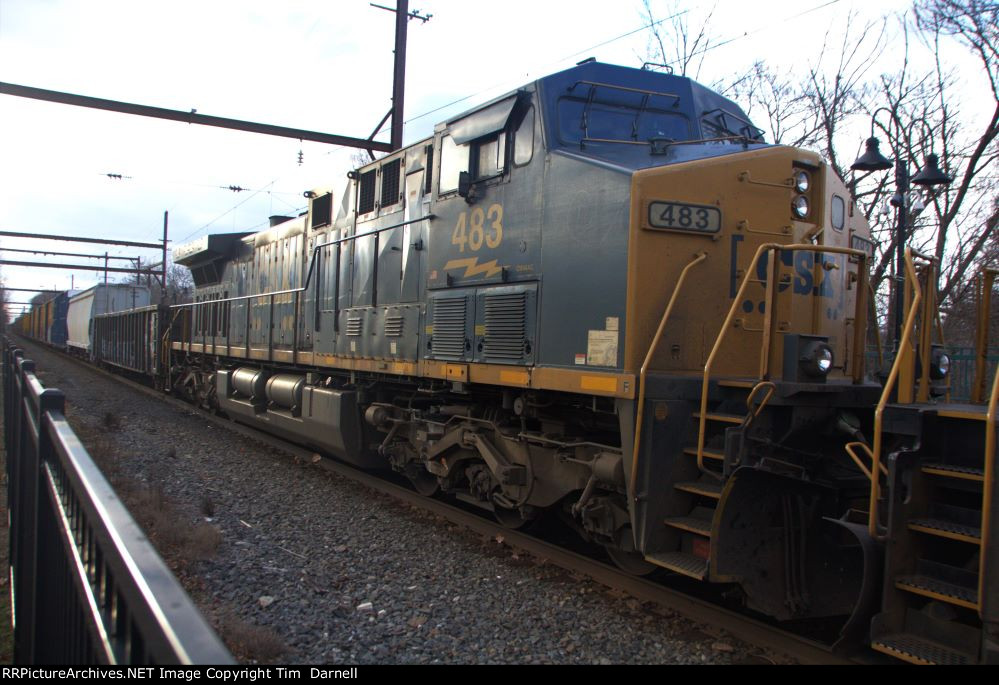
{"x":454,"y":160}
{"x":523,"y":140}
{"x":490,"y":156}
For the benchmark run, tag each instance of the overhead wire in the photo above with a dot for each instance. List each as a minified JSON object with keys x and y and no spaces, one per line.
{"x":706,"y":49}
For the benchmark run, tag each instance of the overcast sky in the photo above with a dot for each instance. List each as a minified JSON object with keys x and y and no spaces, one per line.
{"x":311,"y":64}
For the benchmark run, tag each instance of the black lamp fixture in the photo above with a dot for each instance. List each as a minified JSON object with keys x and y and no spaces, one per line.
{"x":927,"y":177}
{"x":930,"y":175}
{"x":872,"y":159}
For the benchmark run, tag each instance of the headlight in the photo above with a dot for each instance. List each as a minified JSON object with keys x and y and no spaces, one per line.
{"x":802,"y":182}
{"x":800,"y":206}
{"x":939,"y":364}
{"x":817,"y":359}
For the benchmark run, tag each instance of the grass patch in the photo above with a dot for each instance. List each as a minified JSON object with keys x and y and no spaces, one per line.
{"x":111,"y":421}
{"x":174,"y":537}
{"x":249,"y":642}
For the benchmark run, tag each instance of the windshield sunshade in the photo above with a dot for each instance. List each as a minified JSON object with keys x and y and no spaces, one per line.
{"x":489,"y":120}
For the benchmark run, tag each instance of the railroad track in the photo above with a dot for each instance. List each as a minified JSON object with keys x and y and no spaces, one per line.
{"x":746,"y":628}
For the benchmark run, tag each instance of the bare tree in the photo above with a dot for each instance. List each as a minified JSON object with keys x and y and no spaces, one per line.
{"x":969,"y":153}
{"x":678,"y":47}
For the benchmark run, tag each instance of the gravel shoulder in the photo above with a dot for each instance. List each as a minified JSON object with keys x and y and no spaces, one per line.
{"x":293,"y":564}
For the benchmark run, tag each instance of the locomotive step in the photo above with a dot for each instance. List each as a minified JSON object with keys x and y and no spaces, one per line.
{"x":681,"y":562}
{"x":947,"y":529}
{"x":953,"y":471}
{"x":708,"y":454}
{"x":957,"y":595}
{"x":691,"y":524}
{"x":973,"y":412}
{"x":706,"y":489}
{"x":735,"y":383}
{"x":919,"y":650}
{"x":724,"y":418}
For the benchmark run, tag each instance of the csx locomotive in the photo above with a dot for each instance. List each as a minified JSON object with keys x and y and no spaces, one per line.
{"x":605,"y":296}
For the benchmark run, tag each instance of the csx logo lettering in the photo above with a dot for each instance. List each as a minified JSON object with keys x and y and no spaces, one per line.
{"x":805,"y":279}
{"x":802,"y":265}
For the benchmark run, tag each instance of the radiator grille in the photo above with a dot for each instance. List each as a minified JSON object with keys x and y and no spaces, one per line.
{"x":366,"y":199}
{"x":355,"y":325}
{"x":390,"y":183}
{"x":393,"y":326}
{"x":322,"y":210}
{"x":506,"y":326}
{"x":448,"y":339}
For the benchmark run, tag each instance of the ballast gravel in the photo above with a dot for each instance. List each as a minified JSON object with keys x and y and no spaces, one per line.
{"x":293,"y":564}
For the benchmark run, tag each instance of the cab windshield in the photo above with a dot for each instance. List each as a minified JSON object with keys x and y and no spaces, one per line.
{"x":602,"y":113}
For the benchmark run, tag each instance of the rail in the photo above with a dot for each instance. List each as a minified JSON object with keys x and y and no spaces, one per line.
{"x":770,"y":320}
{"x":986,"y":281}
{"x":988,"y":489}
{"x":988,"y":486}
{"x":86,"y":584}
{"x":218,"y":311}
{"x":698,"y":258}
{"x":902,"y":359}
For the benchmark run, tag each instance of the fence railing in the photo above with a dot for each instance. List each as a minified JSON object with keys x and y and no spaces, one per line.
{"x":87,"y":585}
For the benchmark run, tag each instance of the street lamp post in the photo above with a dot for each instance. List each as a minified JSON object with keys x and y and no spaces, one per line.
{"x":930,"y":175}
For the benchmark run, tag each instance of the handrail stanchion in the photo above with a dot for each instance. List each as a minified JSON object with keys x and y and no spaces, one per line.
{"x":907,"y":329}
{"x":988,"y":486}
{"x":698,"y":258}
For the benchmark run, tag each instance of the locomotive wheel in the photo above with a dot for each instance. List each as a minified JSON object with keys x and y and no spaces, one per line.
{"x":509,"y":518}
{"x":424,"y":482}
{"x":629,"y":561}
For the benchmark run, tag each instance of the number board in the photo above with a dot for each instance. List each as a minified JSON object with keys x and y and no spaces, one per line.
{"x":679,"y":216}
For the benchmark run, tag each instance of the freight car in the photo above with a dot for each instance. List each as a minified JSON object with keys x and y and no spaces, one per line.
{"x":605,"y":296}
{"x":86,"y":304}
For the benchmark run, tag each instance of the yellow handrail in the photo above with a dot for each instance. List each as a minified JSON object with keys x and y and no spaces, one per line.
{"x":851,"y":446}
{"x":988,"y":485}
{"x":876,"y":328}
{"x":698,"y":258}
{"x":988,"y":276}
{"x":859,"y":332}
{"x":753,"y":413}
{"x":907,"y":329}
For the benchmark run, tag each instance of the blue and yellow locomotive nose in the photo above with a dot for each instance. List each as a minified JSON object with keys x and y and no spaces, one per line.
{"x":728,"y":206}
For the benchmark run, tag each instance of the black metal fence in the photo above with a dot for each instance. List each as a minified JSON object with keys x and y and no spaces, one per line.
{"x":87,"y":587}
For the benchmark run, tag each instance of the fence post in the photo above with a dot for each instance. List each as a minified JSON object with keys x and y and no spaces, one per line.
{"x":50,"y":583}
{"x":24,"y":517}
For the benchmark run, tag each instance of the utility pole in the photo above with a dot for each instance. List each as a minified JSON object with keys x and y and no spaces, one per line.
{"x":399,"y":74}
{"x":402,"y":17}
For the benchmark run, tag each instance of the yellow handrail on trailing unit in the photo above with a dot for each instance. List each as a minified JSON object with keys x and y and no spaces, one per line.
{"x":988,"y":486}
{"x":770,"y":322}
{"x":698,"y":258}
{"x":904,"y":343}
{"x":987,"y":278}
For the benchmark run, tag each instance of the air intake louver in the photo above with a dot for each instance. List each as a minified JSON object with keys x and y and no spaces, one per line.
{"x":506,"y":327}
{"x":355,"y":325}
{"x":393,"y":326}
{"x":448,"y":341}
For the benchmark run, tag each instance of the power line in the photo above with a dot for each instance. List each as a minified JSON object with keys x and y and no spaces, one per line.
{"x":230,"y":210}
{"x":575,"y":54}
{"x":706,"y":49}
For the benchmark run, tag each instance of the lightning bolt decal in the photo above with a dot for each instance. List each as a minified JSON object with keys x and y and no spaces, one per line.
{"x":473,"y":268}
